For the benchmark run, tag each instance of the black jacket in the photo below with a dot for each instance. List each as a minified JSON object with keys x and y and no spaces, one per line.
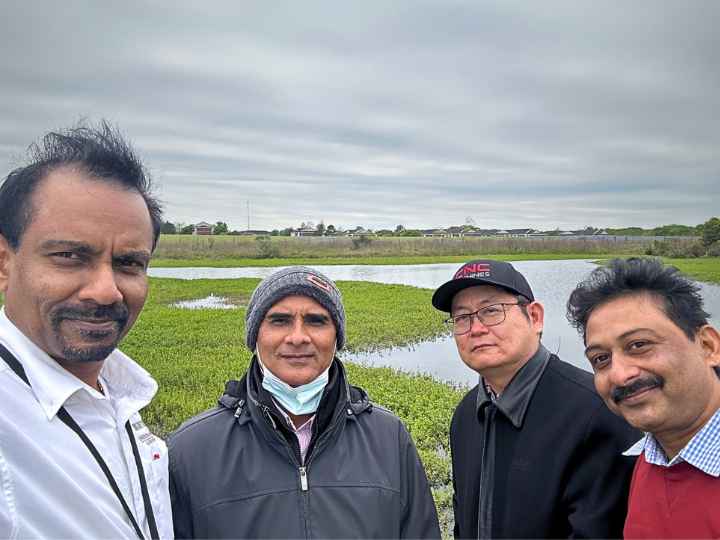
{"x":235,"y":471}
{"x":554,"y":464}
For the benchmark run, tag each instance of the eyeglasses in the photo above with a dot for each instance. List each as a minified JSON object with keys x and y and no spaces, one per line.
{"x":491,"y":315}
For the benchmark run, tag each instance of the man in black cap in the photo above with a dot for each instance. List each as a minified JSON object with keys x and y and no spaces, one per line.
{"x":535,"y":452}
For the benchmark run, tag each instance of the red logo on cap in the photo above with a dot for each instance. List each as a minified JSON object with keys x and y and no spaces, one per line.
{"x":473,"y":270}
{"x":319,"y":283}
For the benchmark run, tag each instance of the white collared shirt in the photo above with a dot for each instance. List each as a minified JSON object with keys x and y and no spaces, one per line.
{"x":50,"y":484}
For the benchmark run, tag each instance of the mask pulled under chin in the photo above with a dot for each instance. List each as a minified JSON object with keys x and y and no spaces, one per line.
{"x":297,"y":400}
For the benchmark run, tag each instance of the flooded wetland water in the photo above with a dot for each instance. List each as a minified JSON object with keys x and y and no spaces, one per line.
{"x":551,"y":281}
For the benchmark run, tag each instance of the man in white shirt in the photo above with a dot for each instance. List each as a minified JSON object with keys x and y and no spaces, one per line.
{"x":78,"y":225}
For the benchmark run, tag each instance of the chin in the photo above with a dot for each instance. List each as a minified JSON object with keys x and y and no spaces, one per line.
{"x":82,"y":354}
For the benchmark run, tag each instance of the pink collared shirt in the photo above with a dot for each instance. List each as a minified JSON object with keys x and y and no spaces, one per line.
{"x":303,"y":433}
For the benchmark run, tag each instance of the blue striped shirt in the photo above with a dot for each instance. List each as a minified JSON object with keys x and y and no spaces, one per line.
{"x":702,"y":451}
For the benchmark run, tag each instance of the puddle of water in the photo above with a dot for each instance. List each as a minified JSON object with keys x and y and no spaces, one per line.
{"x":209,"y":302}
{"x":437,"y":358}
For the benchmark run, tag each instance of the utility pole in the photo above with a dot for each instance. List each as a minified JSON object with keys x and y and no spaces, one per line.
{"x":248,"y":213}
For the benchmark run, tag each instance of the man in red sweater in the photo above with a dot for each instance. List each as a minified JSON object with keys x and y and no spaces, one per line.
{"x":655,"y":359}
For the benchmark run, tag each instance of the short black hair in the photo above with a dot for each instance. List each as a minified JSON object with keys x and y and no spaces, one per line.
{"x":680,"y":296}
{"x":99,"y":151}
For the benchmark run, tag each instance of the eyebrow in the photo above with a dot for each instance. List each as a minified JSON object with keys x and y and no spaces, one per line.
{"x":283,"y":315}
{"x":622,"y":336}
{"x":317,"y":316}
{"x":85,"y":248}
{"x":73,"y":245}
{"x":143,"y":256}
{"x":489,"y":301}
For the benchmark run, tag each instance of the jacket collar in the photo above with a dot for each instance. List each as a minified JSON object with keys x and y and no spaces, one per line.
{"x":515,"y":399}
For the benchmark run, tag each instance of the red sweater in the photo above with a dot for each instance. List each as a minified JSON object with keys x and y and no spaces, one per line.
{"x":672,"y":502}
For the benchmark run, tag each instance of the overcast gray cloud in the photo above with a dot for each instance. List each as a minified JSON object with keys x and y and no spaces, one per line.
{"x":540,"y":114}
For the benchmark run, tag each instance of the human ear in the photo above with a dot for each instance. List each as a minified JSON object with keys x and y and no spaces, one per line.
{"x":709,"y":340}
{"x":6,"y":253}
{"x":536,"y":312}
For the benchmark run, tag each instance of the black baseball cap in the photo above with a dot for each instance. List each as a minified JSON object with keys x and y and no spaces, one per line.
{"x":481,"y":272}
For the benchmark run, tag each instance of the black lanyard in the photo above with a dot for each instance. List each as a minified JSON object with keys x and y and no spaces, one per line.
{"x":72,"y":424}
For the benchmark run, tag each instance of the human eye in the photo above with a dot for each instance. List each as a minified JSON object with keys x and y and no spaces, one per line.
{"x":461,"y":319}
{"x":638,"y":346}
{"x":316,"y":320}
{"x":491,"y":310}
{"x":130,"y":264}
{"x":599,"y":360}
{"x":66,"y":257}
{"x":64,"y":254}
{"x":278,"y":320}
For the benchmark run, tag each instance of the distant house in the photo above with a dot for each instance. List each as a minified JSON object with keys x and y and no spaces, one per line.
{"x":480,"y":232}
{"x":305,"y":231}
{"x":520,"y":233}
{"x":203,"y":228}
{"x":455,"y":232}
{"x":360,"y":231}
{"x":434,"y":233}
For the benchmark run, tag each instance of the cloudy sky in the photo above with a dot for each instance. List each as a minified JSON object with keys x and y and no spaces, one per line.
{"x":377,"y":113}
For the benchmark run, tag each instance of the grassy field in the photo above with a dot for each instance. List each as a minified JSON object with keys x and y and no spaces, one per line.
{"x":192,"y":353}
{"x":704,"y":269}
{"x":240,"y":247}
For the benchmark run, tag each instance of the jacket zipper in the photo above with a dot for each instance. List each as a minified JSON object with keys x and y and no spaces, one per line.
{"x":302,"y":469}
{"x":303,"y":479}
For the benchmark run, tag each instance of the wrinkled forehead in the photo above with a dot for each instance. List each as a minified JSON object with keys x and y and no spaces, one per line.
{"x":479,"y":295}
{"x":298,"y":303}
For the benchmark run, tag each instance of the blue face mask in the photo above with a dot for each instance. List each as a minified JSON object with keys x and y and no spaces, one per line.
{"x":297,"y":400}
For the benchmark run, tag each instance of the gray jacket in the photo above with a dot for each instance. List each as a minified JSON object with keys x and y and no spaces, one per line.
{"x":235,"y":471}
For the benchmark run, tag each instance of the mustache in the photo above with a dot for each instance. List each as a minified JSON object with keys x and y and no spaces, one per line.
{"x":620,"y":393}
{"x":117,"y":312}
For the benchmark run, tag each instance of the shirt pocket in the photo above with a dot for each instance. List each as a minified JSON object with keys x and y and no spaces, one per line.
{"x":154,"y":454}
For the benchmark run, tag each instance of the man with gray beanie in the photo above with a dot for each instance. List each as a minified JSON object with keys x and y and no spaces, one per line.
{"x":292,"y":450}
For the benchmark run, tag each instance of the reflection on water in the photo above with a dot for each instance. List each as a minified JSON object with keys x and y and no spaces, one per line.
{"x":209,"y":302}
{"x":551,"y":281}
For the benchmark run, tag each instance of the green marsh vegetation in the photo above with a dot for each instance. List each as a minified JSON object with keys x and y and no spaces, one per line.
{"x":702,"y":269}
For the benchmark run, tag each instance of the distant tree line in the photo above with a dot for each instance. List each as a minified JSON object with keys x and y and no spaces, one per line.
{"x":707,"y":244}
{"x":707,"y":231}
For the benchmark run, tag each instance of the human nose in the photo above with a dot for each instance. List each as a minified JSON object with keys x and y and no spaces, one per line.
{"x":623,"y":371}
{"x":297,"y":334}
{"x":101,"y":286}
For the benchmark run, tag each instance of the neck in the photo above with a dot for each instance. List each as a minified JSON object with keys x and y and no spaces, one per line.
{"x":673,"y":441}
{"x":299,"y":420}
{"x":87,"y":372}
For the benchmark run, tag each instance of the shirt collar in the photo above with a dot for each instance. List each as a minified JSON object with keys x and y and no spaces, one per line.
{"x":130,"y":386}
{"x":289,"y":421}
{"x":515,"y":399}
{"x":702,"y":451}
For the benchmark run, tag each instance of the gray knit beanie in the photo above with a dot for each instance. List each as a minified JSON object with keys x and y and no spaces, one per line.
{"x":295,"y":280}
